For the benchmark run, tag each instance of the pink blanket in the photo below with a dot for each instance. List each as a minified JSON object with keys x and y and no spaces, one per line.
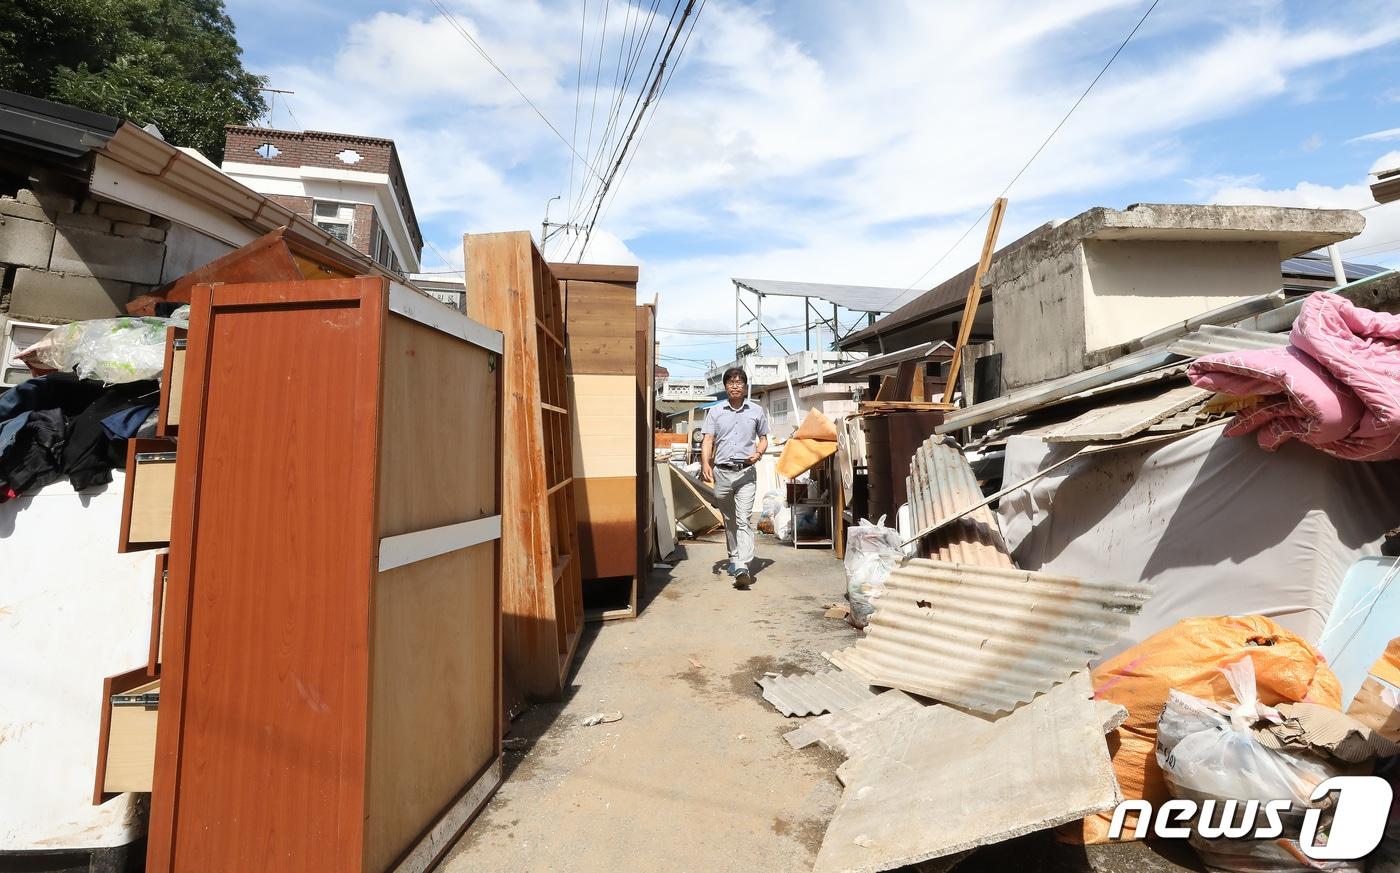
{"x":1336,"y":386}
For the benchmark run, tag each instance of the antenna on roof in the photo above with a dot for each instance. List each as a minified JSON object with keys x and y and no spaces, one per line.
{"x":272,"y":103}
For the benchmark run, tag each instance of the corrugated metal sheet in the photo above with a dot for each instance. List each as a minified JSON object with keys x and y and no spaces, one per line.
{"x":1210,"y":340}
{"x":814,"y":693}
{"x":950,"y":781}
{"x":1118,"y":421}
{"x":987,"y":638}
{"x":940,"y":484}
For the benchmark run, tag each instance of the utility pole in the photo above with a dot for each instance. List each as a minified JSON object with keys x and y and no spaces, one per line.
{"x":545,"y":233}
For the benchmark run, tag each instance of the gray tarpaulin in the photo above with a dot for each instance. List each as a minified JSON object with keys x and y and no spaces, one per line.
{"x":1218,"y":525}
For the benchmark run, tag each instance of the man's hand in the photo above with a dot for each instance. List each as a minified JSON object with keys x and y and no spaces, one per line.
{"x":753,"y":459}
{"x":707,"y":473}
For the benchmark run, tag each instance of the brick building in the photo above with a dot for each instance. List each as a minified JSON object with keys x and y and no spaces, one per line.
{"x":351,"y":186}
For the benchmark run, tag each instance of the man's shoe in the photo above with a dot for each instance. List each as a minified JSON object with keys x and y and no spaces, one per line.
{"x":743,"y":579}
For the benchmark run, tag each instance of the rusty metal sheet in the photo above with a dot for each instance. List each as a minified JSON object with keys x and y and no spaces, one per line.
{"x":1118,"y":421}
{"x":950,"y":781}
{"x":814,"y":693}
{"x":940,"y":484}
{"x":987,"y":638}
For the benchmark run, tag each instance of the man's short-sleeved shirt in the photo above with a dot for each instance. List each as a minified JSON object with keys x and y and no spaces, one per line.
{"x":736,"y":431}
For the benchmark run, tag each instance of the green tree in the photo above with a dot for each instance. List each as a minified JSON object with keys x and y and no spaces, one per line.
{"x":172,"y":63}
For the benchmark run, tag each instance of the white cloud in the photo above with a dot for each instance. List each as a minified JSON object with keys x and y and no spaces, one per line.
{"x":1387,"y":161}
{"x":824,"y":142}
{"x":1378,"y":136}
{"x":1379,"y":243}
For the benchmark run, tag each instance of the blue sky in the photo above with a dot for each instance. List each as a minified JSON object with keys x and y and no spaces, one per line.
{"x":844,"y":142}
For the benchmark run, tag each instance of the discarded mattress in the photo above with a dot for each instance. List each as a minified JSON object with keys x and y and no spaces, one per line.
{"x":1216,"y":526}
{"x":1335,"y":387}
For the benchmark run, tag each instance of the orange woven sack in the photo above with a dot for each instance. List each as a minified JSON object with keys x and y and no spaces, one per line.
{"x":1188,"y":657}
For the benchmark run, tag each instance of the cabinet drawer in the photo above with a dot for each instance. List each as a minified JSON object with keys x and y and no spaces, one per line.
{"x":126,"y":750}
{"x":149,"y":495}
{"x":172,"y":382}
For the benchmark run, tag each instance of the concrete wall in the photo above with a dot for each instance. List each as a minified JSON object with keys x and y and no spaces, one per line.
{"x":1039,"y":320}
{"x":1133,"y":288}
{"x":62,"y":259}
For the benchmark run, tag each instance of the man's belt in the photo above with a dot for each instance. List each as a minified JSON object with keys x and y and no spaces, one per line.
{"x":733,"y":465}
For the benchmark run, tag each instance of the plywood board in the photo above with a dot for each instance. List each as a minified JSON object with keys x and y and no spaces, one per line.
{"x":433,"y":627}
{"x":664,"y":514}
{"x":604,"y":425}
{"x":607,"y":526}
{"x":438,"y":430}
{"x":602,"y":325}
{"x":692,"y":511}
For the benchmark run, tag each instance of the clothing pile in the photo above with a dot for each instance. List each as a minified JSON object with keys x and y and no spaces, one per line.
{"x":1335,"y":386}
{"x":60,"y":425}
{"x":98,"y":389}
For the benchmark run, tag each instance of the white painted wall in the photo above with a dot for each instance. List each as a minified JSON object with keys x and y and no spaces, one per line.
{"x":72,"y":612}
{"x":1134,"y":287}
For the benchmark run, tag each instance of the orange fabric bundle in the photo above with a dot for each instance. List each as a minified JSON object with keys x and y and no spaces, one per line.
{"x":1188,"y":658}
{"x":814,"y":442}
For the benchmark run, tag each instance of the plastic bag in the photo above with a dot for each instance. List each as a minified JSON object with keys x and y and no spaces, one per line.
{"x":872,"y":551}
{"x":772,"y":505}
{"x":1187,"y":657}
{"x":1208,"y":752}
{"x":114,"y":350}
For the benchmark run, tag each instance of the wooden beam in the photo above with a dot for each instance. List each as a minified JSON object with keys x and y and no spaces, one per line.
{"x":974,"y":295}
{"x":595,"y":273}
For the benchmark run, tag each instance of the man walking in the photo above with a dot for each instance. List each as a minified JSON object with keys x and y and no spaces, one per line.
{"x":735,"y":437}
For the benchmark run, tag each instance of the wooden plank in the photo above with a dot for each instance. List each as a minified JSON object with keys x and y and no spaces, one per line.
{"x":437,"y":445}
{"x":601,"y":328}
{"x":604,"y":425}
{"x":1122,"y":420}
{"x":646,"y":423}
{"x":509,"y":289}
{"x":433,"y":633}
{"x":607,"y":524}
{"x":692,"y":510}
{"x":595,"y":273}
{"x":156,"y":650}
{"x":974,"y":294}
{"x":172,"y":383}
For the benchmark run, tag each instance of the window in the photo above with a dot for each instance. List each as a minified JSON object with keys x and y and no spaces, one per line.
{"x":383,"y":252}
{"x":337,"y":219}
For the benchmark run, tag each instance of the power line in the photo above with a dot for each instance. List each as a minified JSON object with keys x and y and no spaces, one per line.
{"x":597,"y":74}
{"x":578,"y":90}
{"x":651,"y":95}
{"x":481,"y":51}
{"x":664,"y":85}
{"x":585,"y":203}
{"x":1032,"y":158}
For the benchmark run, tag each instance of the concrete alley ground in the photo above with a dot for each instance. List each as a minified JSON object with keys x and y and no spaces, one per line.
{"x":696,"y":776}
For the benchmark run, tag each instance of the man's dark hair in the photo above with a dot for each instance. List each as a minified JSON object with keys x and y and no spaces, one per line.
{"x":735,"y":371}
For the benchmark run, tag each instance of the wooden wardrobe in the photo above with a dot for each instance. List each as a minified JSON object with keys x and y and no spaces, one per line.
{"x":330,"y":697}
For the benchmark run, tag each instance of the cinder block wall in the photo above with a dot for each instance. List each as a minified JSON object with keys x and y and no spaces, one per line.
{"x":66,"y":260}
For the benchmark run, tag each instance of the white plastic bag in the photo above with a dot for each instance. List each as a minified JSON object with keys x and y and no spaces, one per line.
{"x":114,"y":350}
{"x":1207,"y":752}
{"x":872,"y":551}
{"x":772,"y":505}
